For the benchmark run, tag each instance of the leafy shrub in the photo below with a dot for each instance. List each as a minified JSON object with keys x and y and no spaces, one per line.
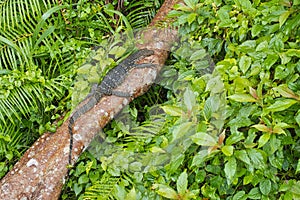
{"x":245,"y":146}
{"x":228,"y":134}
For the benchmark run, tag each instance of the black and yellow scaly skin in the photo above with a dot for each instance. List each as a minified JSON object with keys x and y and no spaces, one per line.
{"x":113,"y":79}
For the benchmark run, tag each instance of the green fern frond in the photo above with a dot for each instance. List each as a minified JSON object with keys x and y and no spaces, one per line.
{"x":10,"y":138}
{"x":26,"y":98}
{"x":35,"y":67}
{"x":148,"y":128}
{"x":140,"y":13}
{"x":24,"y":26}
{"x":102,"y":189}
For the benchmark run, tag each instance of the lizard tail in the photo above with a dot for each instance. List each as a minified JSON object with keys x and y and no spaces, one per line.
{"x":70,"y":128}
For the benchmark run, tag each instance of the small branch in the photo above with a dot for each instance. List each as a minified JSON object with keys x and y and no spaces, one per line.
{"x":41,"y":172}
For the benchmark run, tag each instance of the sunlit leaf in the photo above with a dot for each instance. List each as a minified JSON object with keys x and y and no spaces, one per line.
{"x":263,"y":139}
{"x":243,"y":156}
{"x":281,"y":105}
{"x":242,"y":98}
{"x":254,"y":193}
{"x":227,"y":150}
{"x":189,"y":99}
{"x":265,"y":186}
{"x":283,"y":17}
{"x":230,"y":169}
{"x":173,"y":110}
{"x":298,"y":167}
{"x":181,"y":130}
{"x":257,"y":158}
{"x":285,"y":91}
{"x":165,"y":191}
{"x":261,"y":127}
{"x":182,"y":183}
{"x":204,"y":139}
{"x":245,"y":63}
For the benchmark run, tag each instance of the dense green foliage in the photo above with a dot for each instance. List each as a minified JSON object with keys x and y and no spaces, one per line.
{"x":41,"y":46}
{"x":230,"y":134}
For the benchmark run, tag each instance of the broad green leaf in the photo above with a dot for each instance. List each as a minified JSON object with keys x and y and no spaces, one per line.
{"x":215,"y":85}
{"x":261,"y":127}
{"x":173,"y":110}
{"x":156,"y":149}
{"x":180,"y":130}
{"x":265,"y":186}
{"x":276,"y":160}
{"x":243,"y":156}
{"x":6,"y":138}
{"x":257,"y":158}
{"x":77,"y":188}
{"x":254,"y":193}
{"x":198,"y":55}
{"x":207,"y":110}
{"x":248,"y":179}
{"x":212,"y":106}
{"x":118,"y":51}
{"x":242,"y":98}
{"x":293,"y":52}
{"x":256,"y":29}
{"x":270,"y":61}
{"x":85,"y":69}
{"x":281,"y":104}
{"x":131,"y":195}
{"x":245,"y":63}
{"x":227,"y":150}
{"x":263,"y":46}
{"x":240,"y":195}
{"x":248,"y":46}
{"x":9,"y":155}
{"x":182,"y":183}
{"x":280,"y":72}
{"x":298,"y":167}
{"x":285,"y":58}
{"x":245,"y":4}
{"x":199,"y":158}
{"x":284,"y":91}
{"x":89,"y":166}
{"x":165,"y":191}
{"x":283,"y":17}
{"x":191,"y":18}
{"x":119,"y":192}
{"x":190,"y":3}
{"x":223,"y":13}
{"x":204,"y":139}
{"x":278,"y":128}
{"x":83,"y":179}
{"x":234,"y":138}
{"x":297,"y":118}
{"x":189,"y":99}
{"x":135,"y":166}
{"x":263,"y":139}
{"x":230,"y":169}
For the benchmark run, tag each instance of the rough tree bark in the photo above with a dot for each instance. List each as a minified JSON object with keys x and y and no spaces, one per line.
{"x":41,"y":172}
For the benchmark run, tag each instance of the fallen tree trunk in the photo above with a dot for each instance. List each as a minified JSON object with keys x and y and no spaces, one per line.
{"x":41,"y":171}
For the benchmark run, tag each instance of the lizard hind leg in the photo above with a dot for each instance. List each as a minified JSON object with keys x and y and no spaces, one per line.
{"x":145,"y":65}
{"x":121,"y":94}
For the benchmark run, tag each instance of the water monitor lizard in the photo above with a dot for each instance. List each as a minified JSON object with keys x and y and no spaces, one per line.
{"x":113,"y":79}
